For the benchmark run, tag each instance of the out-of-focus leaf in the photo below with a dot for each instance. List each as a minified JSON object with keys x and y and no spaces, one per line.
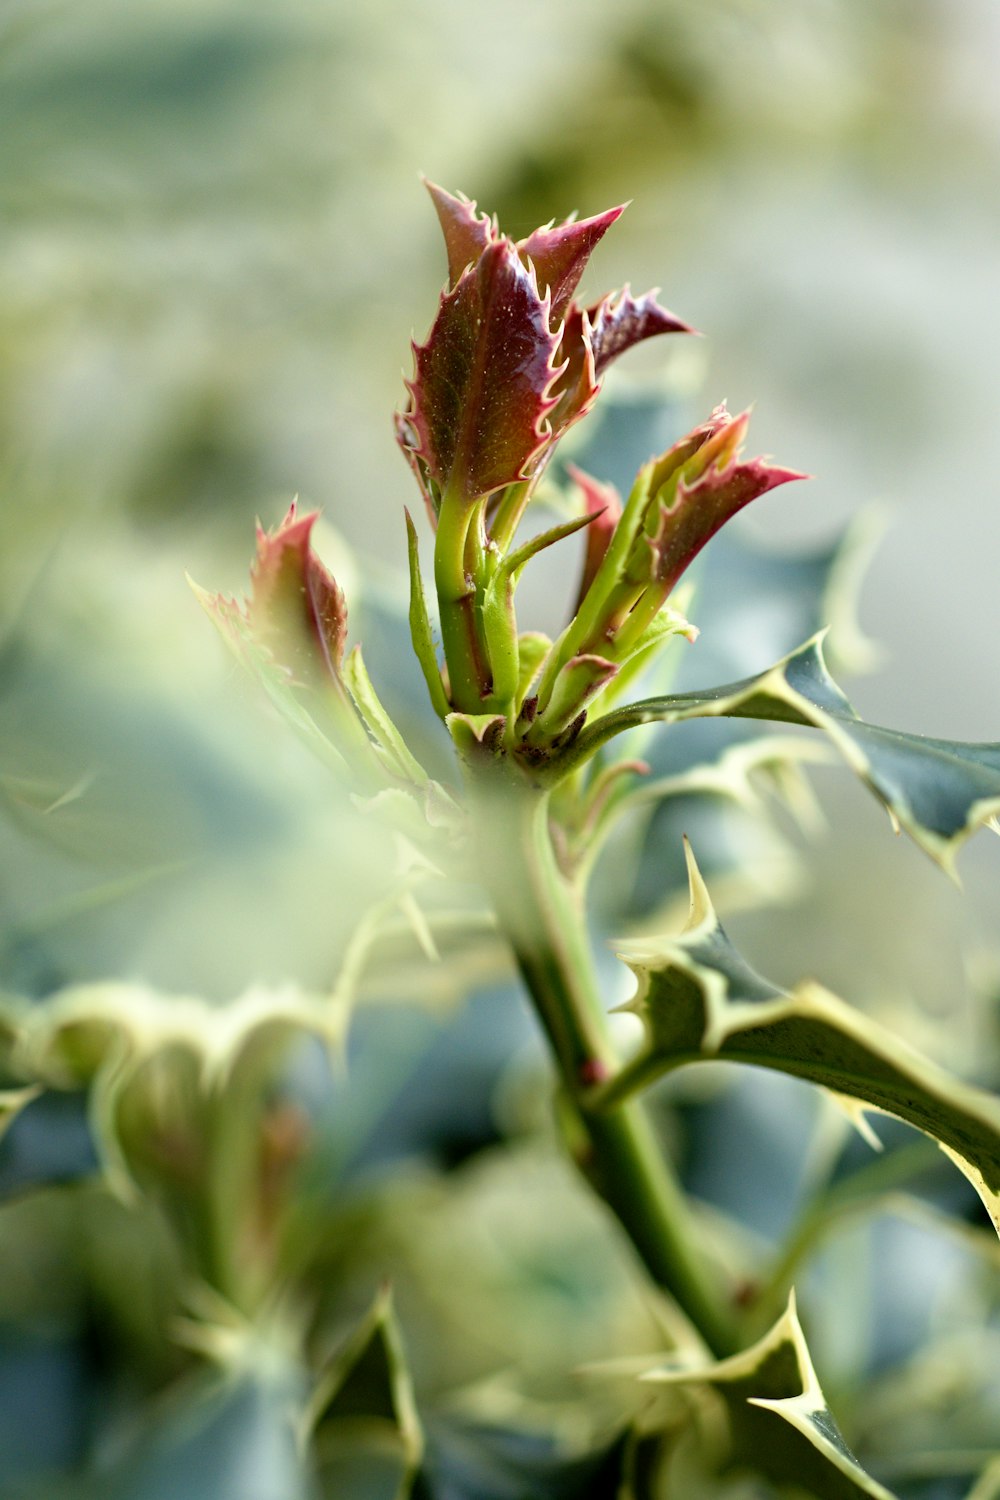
{"x":44,"y":1385}
{"x":482,"y":1463}
{"x":938,"y":1415}
{"x":99,"y":1038}
{"x":291,"y":634}
{"x":699,"y":999}
{"x":771,"y":1384}
{"x":362,"y":1419}
{"x":224,"y":1439}
{"x":12,"y":1102}
{"x":49,"y":1140}
{"x":940,"y":791}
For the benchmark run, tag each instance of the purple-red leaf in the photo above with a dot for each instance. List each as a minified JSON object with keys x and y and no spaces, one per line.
{"x":296,"y":609}
{"x":560,"y":252}
{"x":577,"y":387}
{"x":594,"y":337}
{"x":480,"y":398}
{"x":603,"y":504}
{"x":620,"y":321}
{"x":466,"y":232}
{"x":693,"y":498}
{"x":511,"y":360}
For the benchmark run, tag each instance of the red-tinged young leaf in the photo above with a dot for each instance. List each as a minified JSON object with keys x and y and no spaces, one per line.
{"x":577,"y":387}
{"x":692,"y":499}
{"x":603,"y":503}
{"x":466,"y":232}
{"x":480,"y":396}
{"x":560,"y":252}
{"x":593,"y":338}
{"x":620,"y":321}
{"x":296,"y":608}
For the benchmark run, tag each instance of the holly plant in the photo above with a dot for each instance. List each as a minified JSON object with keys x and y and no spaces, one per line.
{"x":520,"y":808}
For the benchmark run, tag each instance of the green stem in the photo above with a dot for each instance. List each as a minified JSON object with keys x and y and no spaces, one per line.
{"x":468,"y":673}
{"x":540,"y":913}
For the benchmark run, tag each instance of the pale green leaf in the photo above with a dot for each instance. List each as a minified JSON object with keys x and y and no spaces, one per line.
{"x":387,"y":739}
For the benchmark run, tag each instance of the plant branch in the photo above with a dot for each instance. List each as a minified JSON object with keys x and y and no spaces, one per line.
{"x":541,"y":915}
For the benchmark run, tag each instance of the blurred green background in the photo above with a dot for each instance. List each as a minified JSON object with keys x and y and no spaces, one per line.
{"x":215,"y":248}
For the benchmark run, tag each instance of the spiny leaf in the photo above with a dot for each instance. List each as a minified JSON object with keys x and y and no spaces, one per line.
{"x":700,"y":1000}
{"x":560,"y":252}
{"x":296,"y":608}
{"x":592,"y":340}
{"x":466,"y":232}
{"x":603,"y":504}
{"x":620,"y":321}
{"x":690,"y":502}
{"x":940,"y":791}
{"x":480,"y":394}
{"x":363,"y":1402}
{"x":773,"y":1383}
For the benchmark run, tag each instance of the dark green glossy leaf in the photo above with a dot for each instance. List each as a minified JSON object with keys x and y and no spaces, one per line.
{"x":938,"y":790}
{"x":699,"y":999}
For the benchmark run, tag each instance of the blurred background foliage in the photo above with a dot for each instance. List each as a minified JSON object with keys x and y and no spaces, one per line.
{"x":214,"y":248}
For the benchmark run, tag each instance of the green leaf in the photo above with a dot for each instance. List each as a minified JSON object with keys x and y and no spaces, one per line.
{"x":700,"y":999}
{"x":420,"y":627}
{"x":362,"y":1418}
{"x":388,"y":741}
{"x":12,"y":1102}
{"x":466,"y":1462}
{"x":776,"y":1416}
{"x":940,"y":791}
{"x":310,"y":716}
{"x":225,"y":1440}
{"x":987,"y":1487}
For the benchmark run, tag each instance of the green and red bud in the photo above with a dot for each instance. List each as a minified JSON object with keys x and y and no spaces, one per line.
{"x":695,"y":489}
{"x":678,"y":502}
{"x":295,"y":614}
{"x":291,"y":632}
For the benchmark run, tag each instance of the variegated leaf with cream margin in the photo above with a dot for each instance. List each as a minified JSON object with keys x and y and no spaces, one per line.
{"x":771,"y":1383}
{"x":700,"y":1000}
{"x":940,"y":791}
{"x":98,"y":1037}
